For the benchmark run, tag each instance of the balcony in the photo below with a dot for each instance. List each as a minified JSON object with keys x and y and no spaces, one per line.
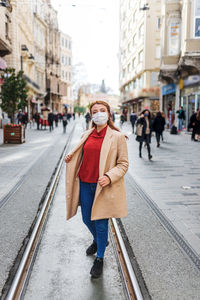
{"x":31,"y":82}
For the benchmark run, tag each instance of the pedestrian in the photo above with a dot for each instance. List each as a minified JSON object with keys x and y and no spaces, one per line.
{"x":64,"y":120}
{"x":197,"y":127}
{"x":122,"y":119}
{"x":143,"y":132}
{"x":50,"y":120}
{"x":96,"y":168}
{"x":74,"y":116}
{"x":24,"y":120}
{"x":37,"y":120}
{"x":158,"y":126}
{"x":133,"y":119}
{"x":181,"y":118}
{"x":192,"y":124}
{"x":19,"y":116}
{"x":87,"y":119}
{"x":56,"y":119}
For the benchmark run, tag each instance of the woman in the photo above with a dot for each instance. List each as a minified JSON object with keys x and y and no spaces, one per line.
{"x":159,"y":127}
{"x":196,"y":127}
{"x":143,"y":132}
{"x":95,"y":171}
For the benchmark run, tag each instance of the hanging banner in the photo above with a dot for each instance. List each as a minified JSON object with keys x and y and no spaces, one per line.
{"x":174,"y":37}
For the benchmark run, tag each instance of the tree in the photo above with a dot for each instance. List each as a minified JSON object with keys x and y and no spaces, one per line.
{"x":13,"y":92}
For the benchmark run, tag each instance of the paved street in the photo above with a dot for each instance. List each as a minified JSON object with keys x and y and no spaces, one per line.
{"x":172,"y":180}
{"x":31,"y":163}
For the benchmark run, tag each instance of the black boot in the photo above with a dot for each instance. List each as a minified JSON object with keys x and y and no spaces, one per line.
{"x":97,"y":268}
{"x":92,"y":249}
{"x":140,"y":154}
{"x":150,"y":156}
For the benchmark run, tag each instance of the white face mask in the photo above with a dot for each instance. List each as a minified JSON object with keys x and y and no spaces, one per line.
{"x":100,"y":118}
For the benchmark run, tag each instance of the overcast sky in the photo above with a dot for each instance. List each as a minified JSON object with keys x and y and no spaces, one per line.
{"x":93,"y":26}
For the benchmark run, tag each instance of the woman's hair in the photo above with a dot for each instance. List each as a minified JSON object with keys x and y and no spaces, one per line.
{"x":198,"y":116}
{"x":110,"y":122}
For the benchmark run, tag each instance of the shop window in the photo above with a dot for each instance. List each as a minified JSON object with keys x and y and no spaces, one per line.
{"x":197,"y":19}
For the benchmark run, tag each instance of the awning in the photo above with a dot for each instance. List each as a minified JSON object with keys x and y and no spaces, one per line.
{"x":3,"y":64}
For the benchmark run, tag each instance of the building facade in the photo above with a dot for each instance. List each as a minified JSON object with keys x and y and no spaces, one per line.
{"x":180,"y":61}
{"x":139,"y":58}
{"x":5,"y":38}
{"x":66,"y":70}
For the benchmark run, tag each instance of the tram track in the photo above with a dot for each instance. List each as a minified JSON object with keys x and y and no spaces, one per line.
{"x":19,"y":283}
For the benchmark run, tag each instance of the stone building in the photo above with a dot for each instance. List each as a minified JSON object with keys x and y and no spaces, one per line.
{"x":139,"y":57}
{"x":66,"y":70}
{"x":5,"y":37}
{"x":180,"y":61}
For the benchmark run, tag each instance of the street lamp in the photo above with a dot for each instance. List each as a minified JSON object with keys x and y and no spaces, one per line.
{"x":23,"y":48}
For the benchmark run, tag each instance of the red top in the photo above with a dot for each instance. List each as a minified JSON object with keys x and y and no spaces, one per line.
{"x":89,"y":170}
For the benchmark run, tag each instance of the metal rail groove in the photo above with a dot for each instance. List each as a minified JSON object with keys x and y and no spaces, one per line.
{"x":36,"y":231}
{"x":132,"y":278}
{"x":182,"y":243}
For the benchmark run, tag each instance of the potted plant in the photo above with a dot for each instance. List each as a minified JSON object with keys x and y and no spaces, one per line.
{"x":13,"y":133}
{"x":13,"y":97}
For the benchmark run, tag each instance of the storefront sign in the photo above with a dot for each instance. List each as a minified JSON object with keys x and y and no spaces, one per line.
{"x":169,"y":89}
{"x":174,"y":37}
{"x":191,"y":80}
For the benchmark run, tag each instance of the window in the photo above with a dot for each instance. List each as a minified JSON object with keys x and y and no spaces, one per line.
{"x":158,"y":22}
{"x":70,"y":45}
{"x":197,"y":19}
{"x":141,"y":31}
{"x":70,"y":77}
{"x":66,"y":75}
{"x":124,"y":73}
{"x":134,"y":17}
{"x":69,"y":61}
{"x":63,"y":74}
{"x":140,"y":56}
{"x":134,"y":40}
{"x":7,"y":27}
{"x":158,"y":50}
{"x":66,"y":43}
{"x":129,"y":68}
{"x":63,"y":59}
{"x":133,"y":63}
{"x":66,"y":60}
{"x":129,"y":26}
{"x":129,"y":47}
{"x":63,"y":42}
{"x":134,"y":84}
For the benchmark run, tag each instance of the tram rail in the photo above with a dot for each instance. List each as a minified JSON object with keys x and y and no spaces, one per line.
{"x":20,"y":281}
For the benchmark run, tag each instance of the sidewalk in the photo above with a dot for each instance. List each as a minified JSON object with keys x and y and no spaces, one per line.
{"x":17,"y":159}
{"x":171,"y":179}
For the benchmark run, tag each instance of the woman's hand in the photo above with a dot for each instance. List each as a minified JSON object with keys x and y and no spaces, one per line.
{"x":104,"y":181}
{"x":68,"y":158}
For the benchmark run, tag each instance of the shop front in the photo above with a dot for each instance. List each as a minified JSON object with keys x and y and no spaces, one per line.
{"x":168,"y":102}
{"x":190,"y":96}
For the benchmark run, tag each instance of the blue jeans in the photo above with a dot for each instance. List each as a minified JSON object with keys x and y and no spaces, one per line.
{"x":180,"y":124}
{"x":98,"y":228}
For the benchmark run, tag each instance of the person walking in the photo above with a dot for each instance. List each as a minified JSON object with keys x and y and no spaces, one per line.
{"x":197,"y":127}
{"x":192,"y":124}
{"x":95,"y":176}
{"x":64,"y":120}
{"x":87,"y":119}
{"x":143,"y":132}
{"x":158,"y":126}
{"x":133,"y":119}
{"x":181,"y":118}
{"x":50,"y":120}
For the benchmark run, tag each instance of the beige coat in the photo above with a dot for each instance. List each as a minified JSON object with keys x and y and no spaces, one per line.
{"x":110,"y":201}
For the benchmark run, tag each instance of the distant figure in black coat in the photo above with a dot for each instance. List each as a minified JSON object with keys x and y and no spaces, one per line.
{"x":50,"y":120}
{"x":159,"y":127}
{"x":192,"y":124}
{"x":143,"y":131}
{"x":197,"y":127}
{"x":133,"y":119}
